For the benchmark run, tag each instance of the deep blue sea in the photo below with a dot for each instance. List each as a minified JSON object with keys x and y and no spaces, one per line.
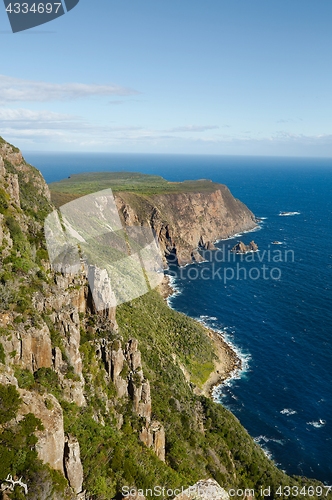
{"x":279,"y":319}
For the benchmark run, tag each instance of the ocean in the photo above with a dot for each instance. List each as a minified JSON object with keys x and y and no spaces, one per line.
{"x":273,"y":306}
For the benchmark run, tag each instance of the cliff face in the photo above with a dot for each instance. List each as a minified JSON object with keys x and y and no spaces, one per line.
{"x":184,"y":222}
{"x":35,"y":307}
{"x":92,"y":401}
{"x":42,"y":316}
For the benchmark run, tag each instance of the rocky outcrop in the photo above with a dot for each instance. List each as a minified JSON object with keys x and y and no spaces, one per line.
{"x":28,"y":332}
{"x":153,"y":436}
{"x":124,"y":368}
{"x":242,"y":248}
{"x":72,"y":464}
{"x":51,"y":440}
{"x":13,"y":188}
{"x":103,"y":296}
{"x":207,"y":489}
{"x":11,"y":156}
{"x":186,"y":221}
{"x":29,"y":347}
{"x":61,"y":452}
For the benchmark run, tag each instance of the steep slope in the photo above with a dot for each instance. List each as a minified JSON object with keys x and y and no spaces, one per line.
{"x":91,"y":403}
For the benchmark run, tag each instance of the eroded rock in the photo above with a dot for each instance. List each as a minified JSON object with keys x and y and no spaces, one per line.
{"x":51,"y":440}
{"x":242,"y":248}
{"x":207,"y":489}
{"x":72,"y":463}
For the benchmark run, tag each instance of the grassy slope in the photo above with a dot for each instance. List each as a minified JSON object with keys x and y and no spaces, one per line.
{"x":203,"y":439}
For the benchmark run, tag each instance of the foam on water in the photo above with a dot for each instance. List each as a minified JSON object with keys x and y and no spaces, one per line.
{"x":288,"y":214}
{"x":317,"y":423}
{"x":288,"y":411}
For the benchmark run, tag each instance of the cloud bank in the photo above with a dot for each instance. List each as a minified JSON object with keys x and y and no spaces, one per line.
{"x":193,"y":128}
{"x":19,"y":90}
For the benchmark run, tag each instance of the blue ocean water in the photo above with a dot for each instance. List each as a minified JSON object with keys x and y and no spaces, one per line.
{"x":282,"y":328}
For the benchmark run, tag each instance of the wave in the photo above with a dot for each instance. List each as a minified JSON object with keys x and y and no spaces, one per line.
{"x":317,"y":423}
{"x":266,"y":439}
{"x":207,"y":318}
{"x":175,"y":288}
{"x":287,"y":214}
{"x":238,"y":235}
{"x":288,"y":412}
{"x":237,"y":373}
{"x":262,"y":441}
{"x":218,"y":391}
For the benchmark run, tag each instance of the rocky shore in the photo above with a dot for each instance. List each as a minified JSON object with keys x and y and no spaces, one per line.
{"x":227,"y":361}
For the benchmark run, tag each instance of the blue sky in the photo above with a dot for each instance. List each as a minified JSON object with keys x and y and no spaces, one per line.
{"x":176,"y":76}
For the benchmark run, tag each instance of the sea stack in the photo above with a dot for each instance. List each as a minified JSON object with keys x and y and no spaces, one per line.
{"x":242,"y":248}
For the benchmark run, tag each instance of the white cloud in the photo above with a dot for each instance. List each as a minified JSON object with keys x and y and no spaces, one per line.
{"x":290,"y":120}
{"x":193,"y":128}
{"x":27,"y":115}
{"x":50,"y":131}
{"x":18,"y":90}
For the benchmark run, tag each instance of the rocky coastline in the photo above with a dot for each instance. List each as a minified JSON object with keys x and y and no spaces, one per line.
{"x":227,"y":362}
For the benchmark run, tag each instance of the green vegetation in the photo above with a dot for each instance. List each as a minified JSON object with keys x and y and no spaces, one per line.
{"x":2,"y":141}
{"x":2,"y":354}
{"x":43,"y":381}
{"x":21,"y":272}
{"x":9,"y":402}
{"x":17,"y":447}
{"x":81,"y":184}
{"x":163,"y":333}
{"x":118,"y":456}
{"x":203,"y":439}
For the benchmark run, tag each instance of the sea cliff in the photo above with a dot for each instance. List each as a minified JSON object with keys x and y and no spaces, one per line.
{"x":185,"y":216}
{"x":93,"y":402}
{"x":185,"y":222}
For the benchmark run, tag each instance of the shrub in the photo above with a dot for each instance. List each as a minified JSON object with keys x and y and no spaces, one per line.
{"x":9,"y":402}
{"x":2,"y":354}
{"x":14,"y":228}
{"x":4,"y":198}
{"x":6,"y":297}
{"x":48,"y":379}
{"x":24,"y":378}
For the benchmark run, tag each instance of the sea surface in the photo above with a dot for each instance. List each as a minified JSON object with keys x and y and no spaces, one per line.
{"x":273,"y":306}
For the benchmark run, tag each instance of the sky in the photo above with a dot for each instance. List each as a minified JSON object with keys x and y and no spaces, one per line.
{"x":242,"y":77}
